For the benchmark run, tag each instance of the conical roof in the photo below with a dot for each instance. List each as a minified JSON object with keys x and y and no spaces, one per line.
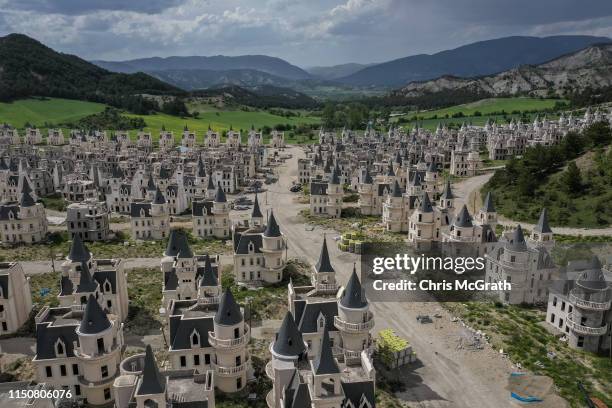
{"x":397,"y":191}
{"x":78,"y":250}
{"x":593,"y":277}
{"x":220,"y":195}
{"x":211,"y":185}
{"x":289,"y":341}
{"x":368,"y":178}
{"x":542,"y":225}
{"x":425,"y":205}
{"x":201,"y":168}
{"x":488,"y":205}
{"x":256,"y":213}
{"x":86,"y":282}
{"x":177,"y":243}
{"x":353,"y":296}
{"x":448,"y":192}
{"x":335,"y":179}
{"x":152,"y":380}
{"x":325,"y":363}
{"x":390,"y":171}
{"x":228,"y":313}
{"x":209,"y":277}
{"x":159,"y":197}
{"x":26,"y":197}
{"x":463,"y":219}
{"x":272,"y":229}
{"x":324,"y":264}
{"x":517,"y":241}
{"x":151,"y":183}
{"x":94,"y":318}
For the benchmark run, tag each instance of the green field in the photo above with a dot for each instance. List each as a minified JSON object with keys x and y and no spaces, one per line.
{"x":45,"y":113}
{"x":490,"y":108}
{"x":490,"y":105}
{"x":41,"y":111}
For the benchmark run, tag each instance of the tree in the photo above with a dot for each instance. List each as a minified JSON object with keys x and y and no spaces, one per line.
{"x":572,"y":179}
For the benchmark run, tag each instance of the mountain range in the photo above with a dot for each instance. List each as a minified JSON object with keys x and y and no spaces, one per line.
{"x":269,"y":65}
{"x":589,"y":68}
{"x":480,"y":58}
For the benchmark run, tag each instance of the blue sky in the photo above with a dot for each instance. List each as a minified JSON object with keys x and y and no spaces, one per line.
{"x":306,"y":33}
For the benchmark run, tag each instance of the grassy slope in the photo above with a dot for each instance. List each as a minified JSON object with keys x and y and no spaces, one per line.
{"x":490,"y":105}
{"x":586,"y":210}
{"x":52,"y":110}
{"x":486,"y":107}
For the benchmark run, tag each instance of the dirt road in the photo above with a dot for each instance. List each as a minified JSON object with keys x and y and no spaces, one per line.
{"x":445,"y":377}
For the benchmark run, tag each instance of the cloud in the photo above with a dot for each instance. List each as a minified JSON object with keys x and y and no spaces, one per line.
{"x":307,"y":32}
{"x":77,"y":7}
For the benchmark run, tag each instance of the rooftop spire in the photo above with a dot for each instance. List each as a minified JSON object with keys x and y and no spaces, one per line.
{"x":272,"y":229}
{"x":542,"y":225}
{"x":94,"y":318}
{"x":228,"y":313}
{"x":324,"y":264}
{"x":289,"y":341}
{"x":152,"y":380}
{"x":354,"y":295}
{"x":325,"y":363}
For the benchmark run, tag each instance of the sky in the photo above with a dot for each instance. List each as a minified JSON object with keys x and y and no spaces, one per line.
{"x":304,"y":32}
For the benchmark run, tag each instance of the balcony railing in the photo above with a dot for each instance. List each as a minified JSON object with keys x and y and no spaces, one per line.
{"x":588,"y":304}
{"x":83,"y":381}
{"x":230,"y":343}
{"x":231,"y":371}
{"x":586,"y":330}
{"x":208,"y":300}
{"x":270,"y":370}
{"x":354,"y":327}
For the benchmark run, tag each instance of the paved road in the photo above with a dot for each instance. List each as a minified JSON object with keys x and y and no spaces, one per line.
{"x":447,"y":378}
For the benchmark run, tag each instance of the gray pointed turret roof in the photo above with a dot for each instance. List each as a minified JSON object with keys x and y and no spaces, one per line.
{"x":463,"y":219}
{"x":368,"y":178}
{"x":272,"y":229}
{"x":325,"y":363}
{"x":397,"y":191}
{"x":354,"y":295}
{"x":152,"y":380}
{"x":593,"y":277}
{"x":542,"y":225}
{"x":94,"y":319}
{"x":209,"y":277}
{"x":425,"y":205}
{"x":488,"y":205}
{"x":201,"y":168}
{"x":324,"y":264}
{"x":228,"y":313}
{"x":220,"y":195}
{"x":289,"y":341}
{"x":177,"y":243}
{"x":448,"y":192}
{"x":159,"y":197}
{"x":26,"y":198}
{"x":150,"y":183}
{"x":335,"y":179}
{"x":256,"y":213}
{"x":86,"y":283}
{"x":78,"y":250}
{"x":390,"y":171}
{"x":211,"y":185}
{"x":517,"y":241}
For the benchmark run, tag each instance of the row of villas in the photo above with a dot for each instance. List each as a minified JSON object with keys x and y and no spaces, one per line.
{"x":188,"y":138}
